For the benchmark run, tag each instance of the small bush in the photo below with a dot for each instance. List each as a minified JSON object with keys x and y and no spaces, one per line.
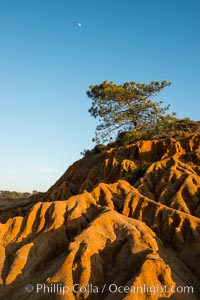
{"x":126,"y":138}
{"x":99,"y":148}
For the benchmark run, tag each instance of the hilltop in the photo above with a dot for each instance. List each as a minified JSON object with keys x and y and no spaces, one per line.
{"x":13,"y":195}
{"x":128,"y":215}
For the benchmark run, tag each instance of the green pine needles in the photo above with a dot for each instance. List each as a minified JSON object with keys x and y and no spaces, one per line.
{"x":128,"y":108}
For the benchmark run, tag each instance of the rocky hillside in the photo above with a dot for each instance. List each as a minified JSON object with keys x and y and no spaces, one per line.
{"x":121,"y":224}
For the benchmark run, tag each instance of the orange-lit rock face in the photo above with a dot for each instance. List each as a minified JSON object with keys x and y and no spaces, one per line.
{"x":125,"y":218}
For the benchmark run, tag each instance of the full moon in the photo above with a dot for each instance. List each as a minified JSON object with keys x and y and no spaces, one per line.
{"x":79,"y":24}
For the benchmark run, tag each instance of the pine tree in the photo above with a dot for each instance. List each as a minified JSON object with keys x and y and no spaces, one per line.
{"x":127,"y":107}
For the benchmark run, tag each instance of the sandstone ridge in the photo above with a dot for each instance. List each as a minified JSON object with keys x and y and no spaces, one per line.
{"x":129,"y":216}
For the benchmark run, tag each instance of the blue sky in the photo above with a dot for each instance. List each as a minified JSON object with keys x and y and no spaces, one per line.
{"x":47,"y":63}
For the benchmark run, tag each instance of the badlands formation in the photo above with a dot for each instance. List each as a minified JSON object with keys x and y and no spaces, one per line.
{"x":120,"y":224}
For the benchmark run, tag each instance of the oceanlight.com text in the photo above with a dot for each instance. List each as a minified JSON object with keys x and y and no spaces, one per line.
{"x":58,"y":288}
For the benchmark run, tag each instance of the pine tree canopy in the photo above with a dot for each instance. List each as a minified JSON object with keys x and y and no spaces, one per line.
{"x":127,"y":107}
